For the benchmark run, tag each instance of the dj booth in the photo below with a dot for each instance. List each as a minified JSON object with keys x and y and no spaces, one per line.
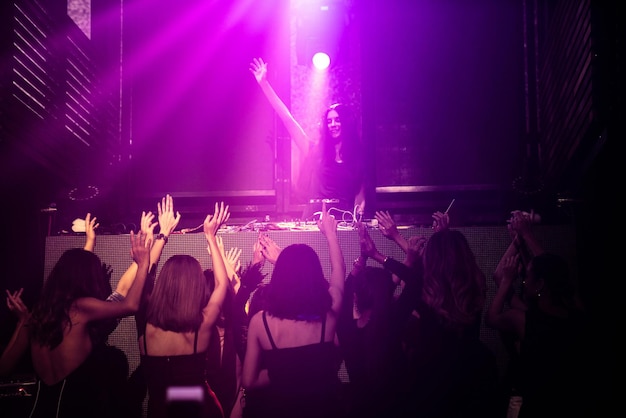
{"x":487,"y":242}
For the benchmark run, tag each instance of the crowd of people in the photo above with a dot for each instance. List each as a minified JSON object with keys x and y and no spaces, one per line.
{"x":230,"y":342}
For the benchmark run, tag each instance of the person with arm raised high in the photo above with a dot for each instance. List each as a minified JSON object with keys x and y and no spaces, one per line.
{"x":180,"y":315}
{"x":332,"y":167}
{"x":292,"y":356}
{"x":66,"y":337}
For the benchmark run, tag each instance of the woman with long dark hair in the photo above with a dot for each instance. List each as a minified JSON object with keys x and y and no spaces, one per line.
{"x":332,"y":165}
{"x":292,"y":357}
{"x":66,"y":333}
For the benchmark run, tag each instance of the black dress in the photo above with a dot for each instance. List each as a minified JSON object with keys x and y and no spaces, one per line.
{"x":303,"y":382}
{"x":373,"y":353}
{"x":161,"y":372}
{"x":450,"y":373}
{"x":96,"y":388}
{"x":556,"y":366}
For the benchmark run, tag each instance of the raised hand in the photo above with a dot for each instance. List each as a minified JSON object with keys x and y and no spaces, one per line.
{"x":415,"y":249}
{"x":327,"y":223}
{"x":140,"y":248}
{"x":441,"y":221}
{"x":269,"y":249}
{"x":213,"y":222}
{"x":368,"y":247}
{"x":257,"y":252}
{"x":386,"y":224}
{"x":90,"y":232}
{"x":147,"y":226}
{"x":231,"y":257}
{"x":17,"y":305}
{"x":90,"y":226}
{"x":521,"y":222}
{"x":259,"y":69}
{"x":167,"y":220}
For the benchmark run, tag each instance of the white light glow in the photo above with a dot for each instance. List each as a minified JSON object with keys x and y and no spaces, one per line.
{"x":321,"y":60}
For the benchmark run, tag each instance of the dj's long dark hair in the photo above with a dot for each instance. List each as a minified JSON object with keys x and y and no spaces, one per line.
{"x":351,"y":147}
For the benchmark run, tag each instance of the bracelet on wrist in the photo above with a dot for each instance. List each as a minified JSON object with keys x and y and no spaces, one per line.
{"x":163,"y":237}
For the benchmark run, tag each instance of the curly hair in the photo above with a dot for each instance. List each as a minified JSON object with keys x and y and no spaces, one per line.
{"x":77,"y":274}
{"x":454,"y":285}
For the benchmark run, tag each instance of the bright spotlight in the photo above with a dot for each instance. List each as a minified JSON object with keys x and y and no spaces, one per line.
{"x":321,"y":60}
{"x":322,"y":25}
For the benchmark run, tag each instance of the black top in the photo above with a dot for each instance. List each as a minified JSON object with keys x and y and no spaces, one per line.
{"x":330,"y":180}
{"x":97,"y":388}
{"x":373,"y":353}
{"x":554,"y":365}
{"x":449,"y":374}
{"x":161,"y":372}
{"x":304,"y":381}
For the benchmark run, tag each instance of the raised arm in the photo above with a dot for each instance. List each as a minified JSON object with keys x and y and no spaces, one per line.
{"x":368,"y":248}
{"x":90,"y":232}
{"x":168,"y":220}
{"x":126,"y":281}
{"x":511,"y":320}
{"x":140,"y":251}
{"x":18,"y":344}
{"x":441,"y":220}
{"x":92,"y":309}
{"x":259,"y":69}
{"x":328,"y":226}
{"x":269,"y":249}
{"x":387,"y":226}
{"x":232,"y":263}
{"x":211,"y":225}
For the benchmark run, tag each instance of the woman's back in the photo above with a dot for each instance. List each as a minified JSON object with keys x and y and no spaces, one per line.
{"x":302,"y":362}
{"x":96,"y":388}
{"x":54,"y":365}
{"x":296,"y":339}
{"x":302,"y":308}
{"x":185,"y":368}
{"x":180,"y":314}
{"x":77,"y":372}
